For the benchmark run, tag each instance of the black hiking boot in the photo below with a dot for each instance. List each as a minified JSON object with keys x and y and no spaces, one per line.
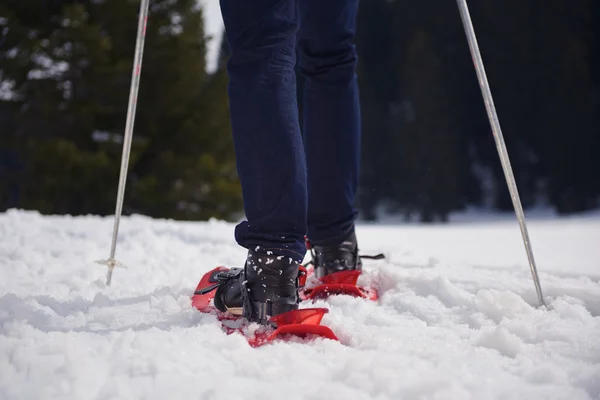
{"x":340,"y":257}
{"x":334,"y":258}
{"x":265,"y":287}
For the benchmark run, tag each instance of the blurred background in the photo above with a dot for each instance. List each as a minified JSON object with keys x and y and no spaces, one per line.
{"x":428,"y":150}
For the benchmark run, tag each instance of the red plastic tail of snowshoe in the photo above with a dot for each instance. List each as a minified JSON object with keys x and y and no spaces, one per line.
{"x":299,"y":323}
{"x":344,"y":283}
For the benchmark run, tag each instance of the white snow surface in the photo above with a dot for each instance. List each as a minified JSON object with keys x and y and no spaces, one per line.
{"x":457,"y":317}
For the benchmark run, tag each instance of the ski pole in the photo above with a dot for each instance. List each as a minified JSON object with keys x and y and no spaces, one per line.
{"x":500,"y":144}
{"x":111,"y":263}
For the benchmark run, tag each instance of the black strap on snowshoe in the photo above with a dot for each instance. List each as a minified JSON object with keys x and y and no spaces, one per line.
{"x":207,"y":289}
{"x":261,"y":312}
{"x":379,"y":256}
{"x":221,"y":277}
{"x":258,"y":312}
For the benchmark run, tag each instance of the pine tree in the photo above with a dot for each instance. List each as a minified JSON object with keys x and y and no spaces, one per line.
{"x":377,"y":79}
{"x":48,"y":117}
{"x":71,"y":79}
{"x":430,"y":182}
{"x":568,"y":111}
{"x":539,"y":66}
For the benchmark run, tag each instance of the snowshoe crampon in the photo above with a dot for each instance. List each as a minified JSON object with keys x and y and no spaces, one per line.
{"x":303,"y":323}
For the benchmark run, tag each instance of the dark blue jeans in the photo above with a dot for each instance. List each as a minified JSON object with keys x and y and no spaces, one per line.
{"x":294,"y":183}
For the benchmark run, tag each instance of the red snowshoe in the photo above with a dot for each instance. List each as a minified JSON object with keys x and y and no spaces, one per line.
{"x":301,"y":323}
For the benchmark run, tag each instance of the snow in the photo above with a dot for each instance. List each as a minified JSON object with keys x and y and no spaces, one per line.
{"x":48,"y":68}
{"x":457,"y":318}
{"x":7,"y":90}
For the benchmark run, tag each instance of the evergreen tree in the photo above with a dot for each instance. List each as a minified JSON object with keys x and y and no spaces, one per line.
{"x":377,"y":79}
{"x":430,"y":175}
{"x":71,"y":82}
{"x":537,"y":55}
{"x":567,"y":114}
{"x":429,"y":165}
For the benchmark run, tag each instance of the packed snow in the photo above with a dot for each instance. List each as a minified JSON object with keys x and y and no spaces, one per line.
{"x":457,"y":317}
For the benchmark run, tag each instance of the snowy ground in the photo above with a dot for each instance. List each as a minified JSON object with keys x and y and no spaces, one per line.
{"x":456,"y":320}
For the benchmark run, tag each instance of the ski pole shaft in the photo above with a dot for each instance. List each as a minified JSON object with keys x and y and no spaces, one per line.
{"x":500,"y":144}
{"x":111,"y":263}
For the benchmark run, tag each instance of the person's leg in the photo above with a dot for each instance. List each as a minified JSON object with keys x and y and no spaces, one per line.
{"x":331,"y":122}
{"x":264,"y":117}
{"x":269,"y":154}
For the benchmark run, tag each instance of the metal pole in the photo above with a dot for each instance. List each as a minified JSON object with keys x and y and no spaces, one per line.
{"x":501,"y":146}
{"x":111,"y":263}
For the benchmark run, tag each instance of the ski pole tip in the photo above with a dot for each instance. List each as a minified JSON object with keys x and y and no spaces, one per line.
{"x":110,"y":263}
